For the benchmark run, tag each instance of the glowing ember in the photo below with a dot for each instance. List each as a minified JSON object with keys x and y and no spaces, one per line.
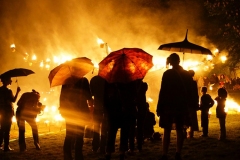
{"x":149,"y":99}
{"x":12,"y":46}
{"x":101,"y":42}
{"x":223,"y":59}
{"x":14,"y":120}
{"x":209,"y":57}
{"x":34,"y":57}
{"x":41,"y":64}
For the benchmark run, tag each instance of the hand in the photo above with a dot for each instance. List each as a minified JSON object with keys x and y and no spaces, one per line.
{"x":18,"y":89}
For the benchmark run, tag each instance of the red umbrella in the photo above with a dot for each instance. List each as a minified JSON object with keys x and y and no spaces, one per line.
{"x":125,"y":65}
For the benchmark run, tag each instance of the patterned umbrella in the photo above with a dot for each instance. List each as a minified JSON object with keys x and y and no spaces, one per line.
{"x":125,"y":65}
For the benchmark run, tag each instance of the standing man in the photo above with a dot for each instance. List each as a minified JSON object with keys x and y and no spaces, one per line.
{"x":97,"y":85}
{"x":75,"y":104}
{"x":6,"y":111}
{"x":173,"y":103}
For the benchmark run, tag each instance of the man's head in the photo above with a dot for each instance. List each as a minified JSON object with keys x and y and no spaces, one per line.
{"x":204,"y":89}
{"x":6,"y":80}
{"x":173,"y":59}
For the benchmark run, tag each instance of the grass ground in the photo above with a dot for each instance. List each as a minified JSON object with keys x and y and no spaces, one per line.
{"x":52,"y":137}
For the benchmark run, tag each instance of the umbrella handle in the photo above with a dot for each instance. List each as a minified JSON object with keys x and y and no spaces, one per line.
{"x":183,"y":59}
{"x":16,"y":81}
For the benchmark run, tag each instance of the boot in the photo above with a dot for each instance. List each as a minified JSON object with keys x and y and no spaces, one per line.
{"x":36,"y":141}
{"x":23,"y":147}
{"x":6,"y":143}
{"x":7,"y":148}
{"x":21,"y":141}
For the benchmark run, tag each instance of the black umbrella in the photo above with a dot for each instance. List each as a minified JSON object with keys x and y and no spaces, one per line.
{"x":17,"y":72}
{"x":186,"y":47}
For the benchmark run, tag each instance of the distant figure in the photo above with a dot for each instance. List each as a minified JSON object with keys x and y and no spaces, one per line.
{"x":214,"y":81}
{"x":173,"y":104}
{"x":97,"y":85}
{"x":222,"y":81}
{"x":206,"y":103}
{"x":220,"y":111}
{"x":194,"y":106}
{"x":74,"y":102}
{"x":149,"y":123}
{"x":28,"y":109}
{"x":6,"y":111}
{"x":206,"y":81}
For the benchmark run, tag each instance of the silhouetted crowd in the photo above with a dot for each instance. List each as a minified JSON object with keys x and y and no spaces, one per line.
{"x":118,"y":106}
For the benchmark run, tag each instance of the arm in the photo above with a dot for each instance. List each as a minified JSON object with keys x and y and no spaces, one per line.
{"x":16,"y":95}
{"x":161,"y":98}
{"x":211,"y":102}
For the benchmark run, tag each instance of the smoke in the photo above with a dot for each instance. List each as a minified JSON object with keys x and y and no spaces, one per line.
{"x":51,"y":28}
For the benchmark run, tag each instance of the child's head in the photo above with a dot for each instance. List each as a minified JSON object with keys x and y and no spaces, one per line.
{"x":222,"y":92}
{"x":204,"y":89}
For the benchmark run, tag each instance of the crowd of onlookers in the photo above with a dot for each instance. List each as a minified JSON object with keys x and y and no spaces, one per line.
{"x":220,"y":80}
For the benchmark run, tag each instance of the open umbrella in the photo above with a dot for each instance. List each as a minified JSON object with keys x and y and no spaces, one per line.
{"x":186,"y":47}
{"x":125,"y":65}
{"x":17,"y":72}
{"x":70,"y":71}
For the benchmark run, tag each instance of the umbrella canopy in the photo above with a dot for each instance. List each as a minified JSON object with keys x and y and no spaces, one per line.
{"x":70,"y":71}
{"x":125,"y":65}
{"x":17,"y":72}
{"x":185,"y":46}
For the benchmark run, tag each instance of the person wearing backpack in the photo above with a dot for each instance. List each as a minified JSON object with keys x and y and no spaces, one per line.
{"x":206,"y":103}
{"x":28,"y":108}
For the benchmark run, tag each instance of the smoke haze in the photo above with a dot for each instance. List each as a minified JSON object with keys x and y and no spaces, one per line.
{"x":49,"y":28}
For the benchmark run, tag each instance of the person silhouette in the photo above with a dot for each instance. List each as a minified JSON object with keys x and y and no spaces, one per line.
{"x":121,"y":113}
{"x":194,"y":106}
{"x":142,"y":109}
{"x":206,"y":103}
{"x":97,"y":85}
{"x":173,"y":104}
{"x":220,"y":111}
{"x":28,"y":108}
{"x":75,"y":104}
{"x":6,"y":111}
{"x":149,"y":122}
